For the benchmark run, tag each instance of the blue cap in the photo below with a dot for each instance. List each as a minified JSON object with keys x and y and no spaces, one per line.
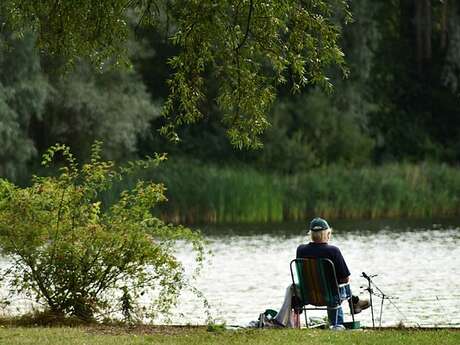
{"x":319,"y":224}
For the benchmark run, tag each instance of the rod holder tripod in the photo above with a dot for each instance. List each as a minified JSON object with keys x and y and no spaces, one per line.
{"x":370,"y":288}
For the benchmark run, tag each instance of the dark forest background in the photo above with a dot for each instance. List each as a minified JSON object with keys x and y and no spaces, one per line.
{"x":400,"y":102}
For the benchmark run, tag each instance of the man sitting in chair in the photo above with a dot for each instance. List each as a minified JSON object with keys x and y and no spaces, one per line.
{"x":320,"y":233}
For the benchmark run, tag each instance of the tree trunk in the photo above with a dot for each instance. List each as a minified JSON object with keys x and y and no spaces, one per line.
{"x":418,"y":34}
{"x":423,"y":32}
{"x":444,"y":25}
{"x":428,"y":28}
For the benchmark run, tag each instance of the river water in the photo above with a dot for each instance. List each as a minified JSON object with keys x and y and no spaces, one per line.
{"x":416,"y":262}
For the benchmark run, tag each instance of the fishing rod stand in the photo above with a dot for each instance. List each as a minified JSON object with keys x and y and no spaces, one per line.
{"x":374,"y":290}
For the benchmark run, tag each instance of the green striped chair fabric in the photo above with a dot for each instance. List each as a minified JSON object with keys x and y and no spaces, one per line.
{"x":316,"y":282}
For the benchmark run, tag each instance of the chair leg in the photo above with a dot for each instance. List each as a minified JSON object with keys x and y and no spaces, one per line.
{"x":336,"y":316}
{"x":306,"y":318}
{"x":352,"y":309}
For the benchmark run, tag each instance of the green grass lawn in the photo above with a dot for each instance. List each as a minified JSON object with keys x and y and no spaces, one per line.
{"x":191,"y":336}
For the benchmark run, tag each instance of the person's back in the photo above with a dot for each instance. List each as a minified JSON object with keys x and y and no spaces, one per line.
{"x":327,"y":251}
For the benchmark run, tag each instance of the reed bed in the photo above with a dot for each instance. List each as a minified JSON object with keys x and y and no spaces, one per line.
{"x":209,"y":194}
{"x":200,"y":193}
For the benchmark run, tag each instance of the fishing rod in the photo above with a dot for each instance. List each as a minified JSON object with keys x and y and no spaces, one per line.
{"x":383,"y":296}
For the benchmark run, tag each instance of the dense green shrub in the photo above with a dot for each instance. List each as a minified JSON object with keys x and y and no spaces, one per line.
{"x":76,"y":256}
{"x":39,"y":107}
{"x":312,"y":130}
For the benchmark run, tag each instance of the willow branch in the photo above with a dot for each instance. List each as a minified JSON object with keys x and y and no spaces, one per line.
{"x":248,"y":25}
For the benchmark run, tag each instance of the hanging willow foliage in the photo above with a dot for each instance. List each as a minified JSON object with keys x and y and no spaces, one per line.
{"x":248,"y":46}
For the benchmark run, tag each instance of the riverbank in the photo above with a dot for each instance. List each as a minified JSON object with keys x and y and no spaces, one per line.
{"x":95,"y":335}
{"x":210,"y":194}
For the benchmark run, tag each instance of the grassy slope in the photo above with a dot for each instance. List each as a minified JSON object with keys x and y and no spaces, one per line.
{"x":79,"y":336}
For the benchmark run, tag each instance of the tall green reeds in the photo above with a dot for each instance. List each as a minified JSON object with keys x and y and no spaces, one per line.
{"x":209,"y":194}
{"x":219,"y":195}
{"x":388,"y":191}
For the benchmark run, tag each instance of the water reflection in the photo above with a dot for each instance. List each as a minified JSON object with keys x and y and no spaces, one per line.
{"x":416,"y":263}
{"x":339,"y":225}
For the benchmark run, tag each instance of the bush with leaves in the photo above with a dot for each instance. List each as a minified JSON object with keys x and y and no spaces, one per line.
{"x":79,"y":257}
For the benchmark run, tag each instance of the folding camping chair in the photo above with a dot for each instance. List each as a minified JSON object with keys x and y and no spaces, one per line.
{"x":316,"y":285}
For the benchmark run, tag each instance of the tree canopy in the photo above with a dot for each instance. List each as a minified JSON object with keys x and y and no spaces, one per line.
{"x":399,"y":103}
{"x":248,"y":47}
